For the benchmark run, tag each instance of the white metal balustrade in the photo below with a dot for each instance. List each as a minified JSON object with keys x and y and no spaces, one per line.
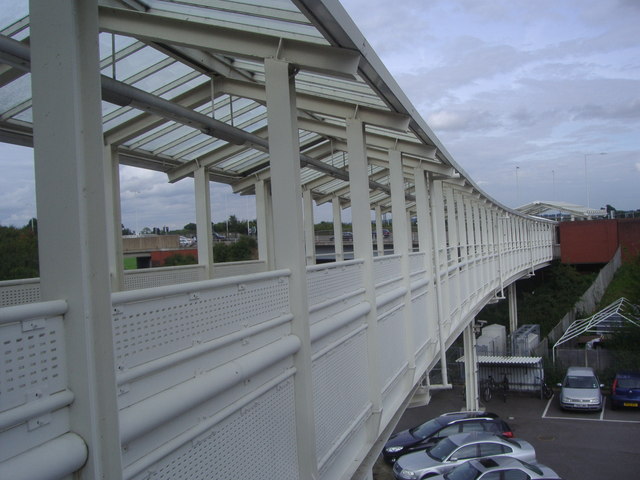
{"x":278,"y":367}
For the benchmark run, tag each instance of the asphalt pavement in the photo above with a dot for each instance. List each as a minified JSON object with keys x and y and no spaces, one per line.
{"x":577,"y":445}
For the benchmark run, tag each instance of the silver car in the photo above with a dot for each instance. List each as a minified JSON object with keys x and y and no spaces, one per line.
{"x":496,"y":468}
{"x":580,"y":390}
{"x":457,"y":449}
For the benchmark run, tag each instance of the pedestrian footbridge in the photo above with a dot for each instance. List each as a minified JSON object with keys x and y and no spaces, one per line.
{"x":281,"y":367}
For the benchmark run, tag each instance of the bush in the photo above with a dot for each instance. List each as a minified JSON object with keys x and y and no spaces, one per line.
{"x":180,"y":259}
{"x":244,"y":249}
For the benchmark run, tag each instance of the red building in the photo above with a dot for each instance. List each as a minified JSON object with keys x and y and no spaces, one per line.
{"x":595,"y":241}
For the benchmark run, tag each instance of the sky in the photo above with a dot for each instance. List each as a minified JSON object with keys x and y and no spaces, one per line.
{"x":535,"y":100}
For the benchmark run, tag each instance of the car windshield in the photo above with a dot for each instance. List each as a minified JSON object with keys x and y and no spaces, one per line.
{"x":530,"y":466}
{"x":580,"y":382}
{"x":426,"y":429}
{"x":442,"y":450}
{"x":629,"y":382}
{"x":466,"y":471}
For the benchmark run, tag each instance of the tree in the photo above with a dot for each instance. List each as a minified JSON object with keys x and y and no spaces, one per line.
{"x":19,"y":252}
{"x":126,"y":231}
{"x":190,"y":228}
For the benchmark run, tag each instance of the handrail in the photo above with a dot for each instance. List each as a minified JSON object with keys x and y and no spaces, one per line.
{"x":19,"y":313}
{"x":119,"y":298}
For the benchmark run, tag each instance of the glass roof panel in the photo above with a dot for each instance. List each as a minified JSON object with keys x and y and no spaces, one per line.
{"x":106,"y":41}
{"x":276,"y":18}
{"x":12,"y":12}
{"x":26,"y":116}
{"x":15,"y":93}
{"x":135,"y":63}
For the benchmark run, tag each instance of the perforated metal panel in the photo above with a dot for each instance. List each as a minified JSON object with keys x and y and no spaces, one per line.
{"x":391,"y":344}
{"x":159,"y":277}
{"x":420,"y":312}
{"x":257,"y":442}
{"x":19,"y":292}
{"x":386,"y":268}
{"x":33,"y":362}
{"x":150,"y":329}
{"x":333,"y":280}
{"x":416,"y":262}
{"x":340,"y":390}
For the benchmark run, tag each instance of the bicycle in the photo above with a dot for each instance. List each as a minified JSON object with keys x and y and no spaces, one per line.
{"x":504,"y":387}
{"x":545,"y":391}
{"x":488,"y":386}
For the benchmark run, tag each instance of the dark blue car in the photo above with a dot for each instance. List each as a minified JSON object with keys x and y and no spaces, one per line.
{"x":625,"y":391}
{"x":429,"y":433}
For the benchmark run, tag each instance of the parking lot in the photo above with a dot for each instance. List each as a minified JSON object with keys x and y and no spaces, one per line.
{"x":577,"y":445}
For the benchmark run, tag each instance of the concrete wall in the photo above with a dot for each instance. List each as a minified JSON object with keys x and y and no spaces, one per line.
{"x":153,"y":242}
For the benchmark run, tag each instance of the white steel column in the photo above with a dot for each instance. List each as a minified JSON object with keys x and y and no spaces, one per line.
{"x":401,"y":245}
{"x":453,"y":249}
{"x":470,"y":369}
{"x":203,"y":220}
{"x":363,"y":249}
{"x":425,"y":244}
{"x":513,"y":308}
{"x":284,"y":151}
{"x":440,"y":269}
{"x":379,"y":234}
{"x":309,"y":230}
{"x":72,"y":223}
{"x":409,"y":231}
{"x":264,"y":226}
{"x":114,"y":217}
{"x":337,"y":229}
{"x":463,"y":234}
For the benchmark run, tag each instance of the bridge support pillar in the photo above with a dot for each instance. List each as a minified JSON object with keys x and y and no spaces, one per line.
{"x":337,"y":229}
{"x":264,"y":214}
{"x":284,"y":150}
{"x":72,"y":218}
{"x":513,"y":308}
{"x":114,"y":217}
{"x":309,"y":232}
{"x":203,"y":220}
{"x":470,"y":369}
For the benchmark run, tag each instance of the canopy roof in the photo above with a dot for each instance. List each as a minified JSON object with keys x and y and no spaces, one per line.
{"x":184,"y":86}
{"x":577,"y":211}
{"x":608,"y":320}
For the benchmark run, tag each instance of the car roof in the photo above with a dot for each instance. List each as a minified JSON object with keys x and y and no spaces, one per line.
{"x":470,"y":437}
{"x":627,"y":374}
{"x":467,"y":415}
{"x":580,"y":371}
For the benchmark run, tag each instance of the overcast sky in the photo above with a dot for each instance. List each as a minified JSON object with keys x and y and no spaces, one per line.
{"x":518,"y":91}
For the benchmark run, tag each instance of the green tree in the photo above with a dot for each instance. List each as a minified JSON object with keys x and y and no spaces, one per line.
{"x":244,"y":249}
{"x":19,"y":252}
{"x":190,"y":228}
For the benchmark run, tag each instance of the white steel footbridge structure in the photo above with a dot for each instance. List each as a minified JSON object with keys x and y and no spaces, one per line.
{"x":278,"y":368}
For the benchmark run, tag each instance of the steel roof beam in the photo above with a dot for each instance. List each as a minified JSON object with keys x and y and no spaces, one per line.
{"x":325,"y":106}
{"x":227,"y":41}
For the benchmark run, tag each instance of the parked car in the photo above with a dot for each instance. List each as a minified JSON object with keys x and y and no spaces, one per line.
{"x":345,"y":236}
{"x":452,"y":451}
{"x":581,"y":390}
{"x":499,"y":468}
{"x":385,"y":233}
{"x":429,"y":433}
{"x":625,"y":391}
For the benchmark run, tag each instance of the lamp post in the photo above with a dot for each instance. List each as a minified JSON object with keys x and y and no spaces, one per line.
{"x":586,"y":174}
{"x":517,"y":188}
